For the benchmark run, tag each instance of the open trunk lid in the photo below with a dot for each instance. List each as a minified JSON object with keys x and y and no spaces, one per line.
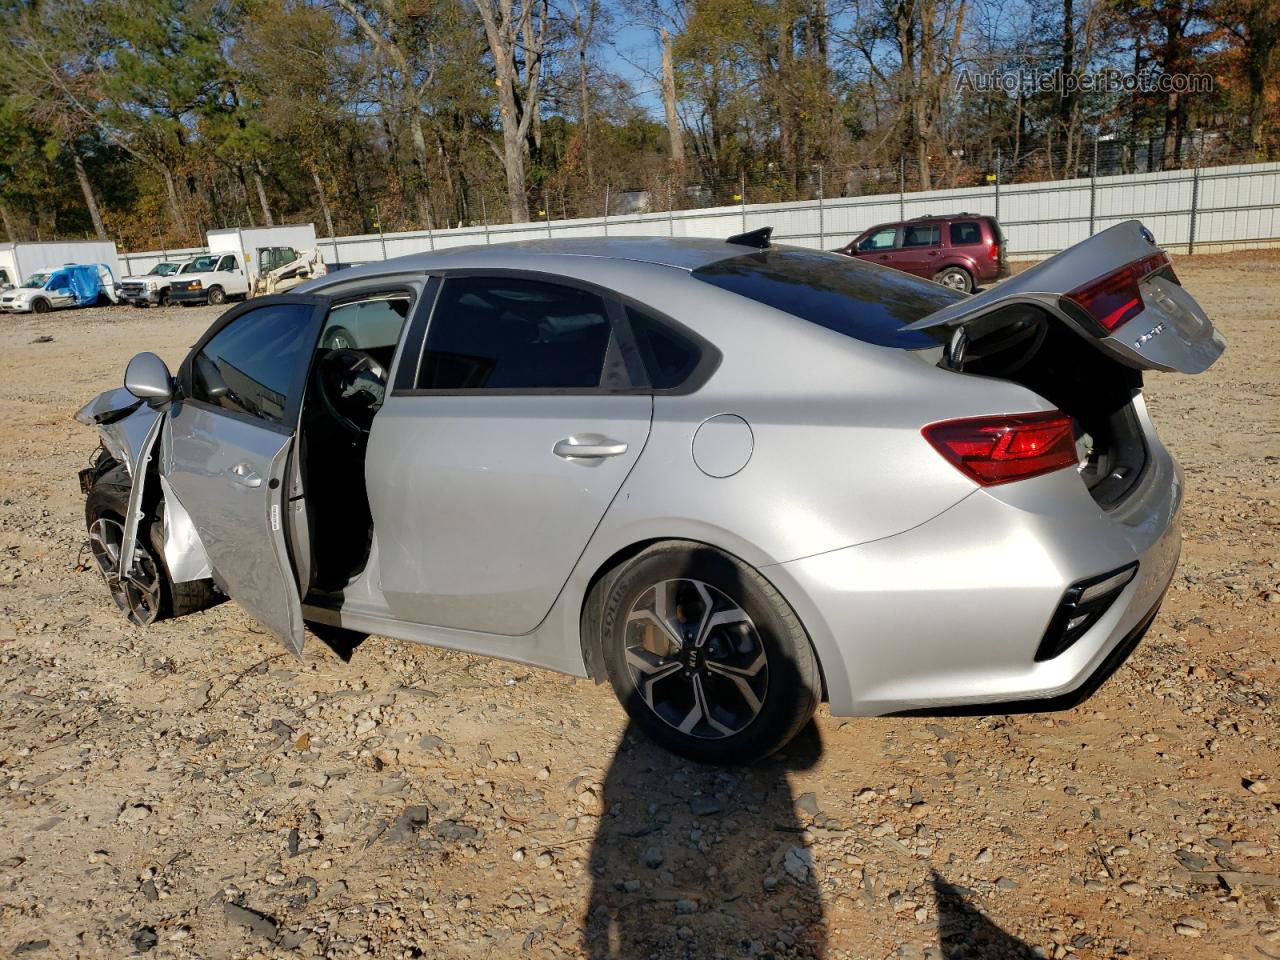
{"x":1117,"y":289}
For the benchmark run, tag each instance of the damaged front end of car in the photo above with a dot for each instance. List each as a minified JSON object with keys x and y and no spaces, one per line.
{"x":142,"y":539}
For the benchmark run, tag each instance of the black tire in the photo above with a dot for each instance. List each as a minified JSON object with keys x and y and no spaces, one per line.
{"x":110,"y":498}
{"x":217,"y":296}
{"x":733,"y":729}
{"x":40,"y":305}
{"x":163,"y":299}
{"x":957,"y":278}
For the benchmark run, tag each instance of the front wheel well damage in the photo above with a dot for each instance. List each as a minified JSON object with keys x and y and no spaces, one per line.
{"x":593,"y":597}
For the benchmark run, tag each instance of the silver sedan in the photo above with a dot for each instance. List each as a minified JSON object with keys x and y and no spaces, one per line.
{"x":733,"y":479}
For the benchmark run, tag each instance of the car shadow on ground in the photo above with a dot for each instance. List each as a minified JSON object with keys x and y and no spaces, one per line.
{"x":965,"y":933}
{"x":698,"y":861}
{"x":694,"y":861}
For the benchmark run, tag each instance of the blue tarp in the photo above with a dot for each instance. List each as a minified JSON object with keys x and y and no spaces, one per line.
{"x":84,"y":279}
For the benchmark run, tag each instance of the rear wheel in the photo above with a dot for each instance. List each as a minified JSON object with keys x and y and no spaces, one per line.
{"x":338,"y":338}
{"x":957,"y":278}
{"x":705,"y":655}
{"x":217,"y":296}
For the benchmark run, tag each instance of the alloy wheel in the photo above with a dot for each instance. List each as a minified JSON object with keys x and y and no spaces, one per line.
{"x":137,"y":595}
{"x":696,"y":658}
{"x":955,"y":280}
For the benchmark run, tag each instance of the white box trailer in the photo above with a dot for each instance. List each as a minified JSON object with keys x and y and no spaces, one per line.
{"x":250,"y":242}
{"x":21,"y":259}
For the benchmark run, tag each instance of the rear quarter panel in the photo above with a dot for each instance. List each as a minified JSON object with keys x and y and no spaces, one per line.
{"x":837,"y":457}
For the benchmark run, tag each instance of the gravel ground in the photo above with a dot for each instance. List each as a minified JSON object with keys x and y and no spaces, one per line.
{"x":192,"y":791}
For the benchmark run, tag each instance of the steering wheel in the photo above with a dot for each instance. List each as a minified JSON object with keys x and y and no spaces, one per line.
{"x":352,"y":387}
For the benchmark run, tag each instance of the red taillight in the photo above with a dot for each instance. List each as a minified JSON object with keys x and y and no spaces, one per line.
{"x":1115,"y":299}
{"x":992,"y":450}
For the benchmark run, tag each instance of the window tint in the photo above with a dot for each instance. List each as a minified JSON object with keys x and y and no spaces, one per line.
{"x":965,"y":232}
{"x":880,"y":240}
{"x":668,"y":357}
{"x":921,"y":235}
{"x":250,"y":364}
{"x":509,"y":333}
{"x":227,"y":263}
{"x":853,"y":297}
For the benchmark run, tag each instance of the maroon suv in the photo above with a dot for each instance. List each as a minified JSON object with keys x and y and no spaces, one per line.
{"x":959,"y":251}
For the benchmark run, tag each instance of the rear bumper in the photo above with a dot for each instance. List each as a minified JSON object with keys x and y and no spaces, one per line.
{"x":950,"y":614}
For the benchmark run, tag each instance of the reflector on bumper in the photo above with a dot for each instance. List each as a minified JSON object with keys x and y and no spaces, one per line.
{"x":1082,"y":606}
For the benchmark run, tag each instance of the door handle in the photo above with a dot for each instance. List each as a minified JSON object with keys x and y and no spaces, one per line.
{"x":588,"y":446}
{"x":243,"y":474}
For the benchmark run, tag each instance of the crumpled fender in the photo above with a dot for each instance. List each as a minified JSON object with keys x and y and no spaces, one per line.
{"x":184,"y":552}
{"x":123,"y":421}
{"x":129,"y":429}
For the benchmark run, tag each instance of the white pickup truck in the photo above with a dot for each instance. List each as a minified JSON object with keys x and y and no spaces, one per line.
{"x":212,"y":278}
{"x":151,"y":287}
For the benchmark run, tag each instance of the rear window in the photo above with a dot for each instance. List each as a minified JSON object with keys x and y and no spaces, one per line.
{"x":964,"y":233}
{"x":852,"y":297}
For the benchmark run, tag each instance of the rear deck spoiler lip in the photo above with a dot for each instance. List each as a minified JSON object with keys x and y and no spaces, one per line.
{"x":1048,"y":280}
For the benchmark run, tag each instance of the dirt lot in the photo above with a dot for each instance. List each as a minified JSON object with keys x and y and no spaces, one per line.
{"x":192,"y":791}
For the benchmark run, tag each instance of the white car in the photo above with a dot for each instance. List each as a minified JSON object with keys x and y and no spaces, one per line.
{"x":213,"y":278}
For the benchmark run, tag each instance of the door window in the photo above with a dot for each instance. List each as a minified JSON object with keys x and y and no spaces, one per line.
{"x":921,"y":235}
{"x":370,"y":325}
{"x":514,"y":334}
{"x":965,"y":233}
{"x":251,"y":365}
{"x":883,"y":239}
{"x":228,"y":263}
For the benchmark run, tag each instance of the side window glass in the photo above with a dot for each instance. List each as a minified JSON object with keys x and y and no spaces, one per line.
{"x":668,"y":358}
{"x":250,"y":365}
{"x":921,"y":235}
{"x":509,"y":333}
{"x":370,"y":325}
{"x":880,"y":240}
{"x":227,"y":263}
{"x":965,"y":233}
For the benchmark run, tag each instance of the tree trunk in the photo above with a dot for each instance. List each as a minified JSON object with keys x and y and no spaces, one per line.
{"x":513,"y":41}
{"x":10,"y":233}
{"x":87,"y":189}
{"x":324,"y":204}
{"x":584,"y":109}
{"x":244,"y":195}
{"x":669,"y":102}
{"x":172,"y":193}
{"x":513,"y":161}
{"x":260,"y":187}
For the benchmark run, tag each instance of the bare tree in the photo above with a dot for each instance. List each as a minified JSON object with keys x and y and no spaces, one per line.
{"x":516,"y":33}
{"x":669,"y":100}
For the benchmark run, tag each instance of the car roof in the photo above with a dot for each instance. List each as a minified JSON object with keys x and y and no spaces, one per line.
{"x":681,"y":253}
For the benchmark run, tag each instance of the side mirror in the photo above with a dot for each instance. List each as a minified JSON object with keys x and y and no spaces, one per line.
{"x":147,"y":378}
